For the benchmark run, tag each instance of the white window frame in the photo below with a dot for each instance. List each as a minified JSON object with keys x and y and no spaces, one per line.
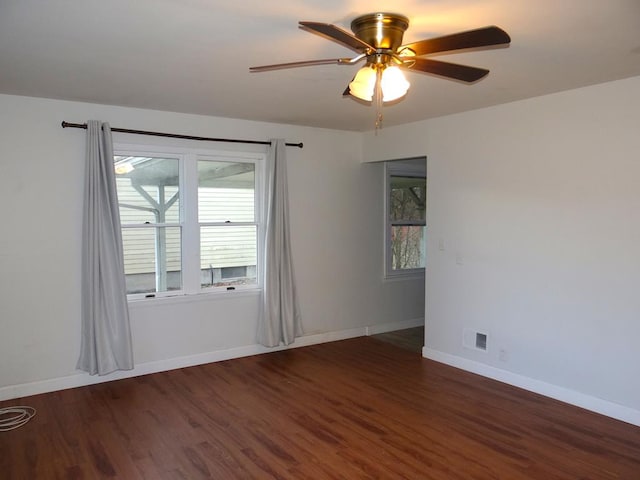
{"x":189,"y":221}
{"x":416,"y":167}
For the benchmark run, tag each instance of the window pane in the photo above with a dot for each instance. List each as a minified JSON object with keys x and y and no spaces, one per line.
{"x":148,"y":189}
{"x":226,"y":191}
{"x":152,"y":259}
{"x":228,"y":255}
{"x":408,"y":198}
{"x":407,"y":247}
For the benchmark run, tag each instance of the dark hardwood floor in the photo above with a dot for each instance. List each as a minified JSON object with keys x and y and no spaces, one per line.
{"x":411,"y":339}
{"x":354,"y":409}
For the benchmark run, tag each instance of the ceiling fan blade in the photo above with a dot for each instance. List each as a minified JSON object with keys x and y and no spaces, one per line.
{"x":481,"y":37}
{"x":306,"y":63}
{"x":445,"y":69}
{"x":337,"y":34}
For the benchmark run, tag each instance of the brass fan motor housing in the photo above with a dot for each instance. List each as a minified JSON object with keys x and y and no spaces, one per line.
{"x":383,"y":31}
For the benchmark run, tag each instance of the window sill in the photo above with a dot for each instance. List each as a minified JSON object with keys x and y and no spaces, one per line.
{"x":404,"y":277}
{"x":193,"y":298}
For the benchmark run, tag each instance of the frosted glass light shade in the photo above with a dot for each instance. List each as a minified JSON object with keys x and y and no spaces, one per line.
{"x":393,"y":84}
{"x":363,"y":84}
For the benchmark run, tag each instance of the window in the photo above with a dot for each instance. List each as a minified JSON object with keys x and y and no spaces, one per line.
{"x":405,"y":213}
{"x":190,"y":221}
{"x":227,"y":220}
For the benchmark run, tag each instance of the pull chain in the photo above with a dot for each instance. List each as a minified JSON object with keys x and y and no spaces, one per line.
{"x":377,"y":94}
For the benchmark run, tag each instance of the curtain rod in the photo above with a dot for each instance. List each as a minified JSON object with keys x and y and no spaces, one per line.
{"x":175,"y":135}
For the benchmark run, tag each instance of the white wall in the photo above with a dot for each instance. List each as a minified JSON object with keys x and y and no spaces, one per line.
{"x":337,"y":238}
{"x":539,"y":201}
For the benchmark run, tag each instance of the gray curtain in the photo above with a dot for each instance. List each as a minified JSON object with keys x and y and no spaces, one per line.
{"x":280,"y":317}
{"x":106,"y":335}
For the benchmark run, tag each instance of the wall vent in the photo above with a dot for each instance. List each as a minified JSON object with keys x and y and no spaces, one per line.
{"x":475,"y":340}
{"x":481,"y":341}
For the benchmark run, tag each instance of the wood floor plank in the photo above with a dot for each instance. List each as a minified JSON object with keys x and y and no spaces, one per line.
{"x":355,"y":409}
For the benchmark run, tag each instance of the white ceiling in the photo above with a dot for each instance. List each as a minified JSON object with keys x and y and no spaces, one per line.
{"x":194,"y":55}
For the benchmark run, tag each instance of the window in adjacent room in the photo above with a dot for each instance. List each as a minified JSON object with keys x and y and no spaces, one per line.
{"x":190,"y":221}
{"x":405,"y":213}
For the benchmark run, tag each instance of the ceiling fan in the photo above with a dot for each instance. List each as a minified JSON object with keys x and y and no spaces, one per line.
{"x":377,"y":39}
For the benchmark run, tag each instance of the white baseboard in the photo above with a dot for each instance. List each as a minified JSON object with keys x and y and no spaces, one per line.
{"x":83,"y":379}
{"x":594,"y":404}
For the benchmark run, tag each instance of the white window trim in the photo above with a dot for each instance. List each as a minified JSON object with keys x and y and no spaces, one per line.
{"x":190,"y":226}
{"x":399,"y":168}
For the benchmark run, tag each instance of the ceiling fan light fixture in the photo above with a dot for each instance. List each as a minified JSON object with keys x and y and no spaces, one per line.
{"x":377,"y":39}
{"x":394,"y":84}
{"x":364,"y":83}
